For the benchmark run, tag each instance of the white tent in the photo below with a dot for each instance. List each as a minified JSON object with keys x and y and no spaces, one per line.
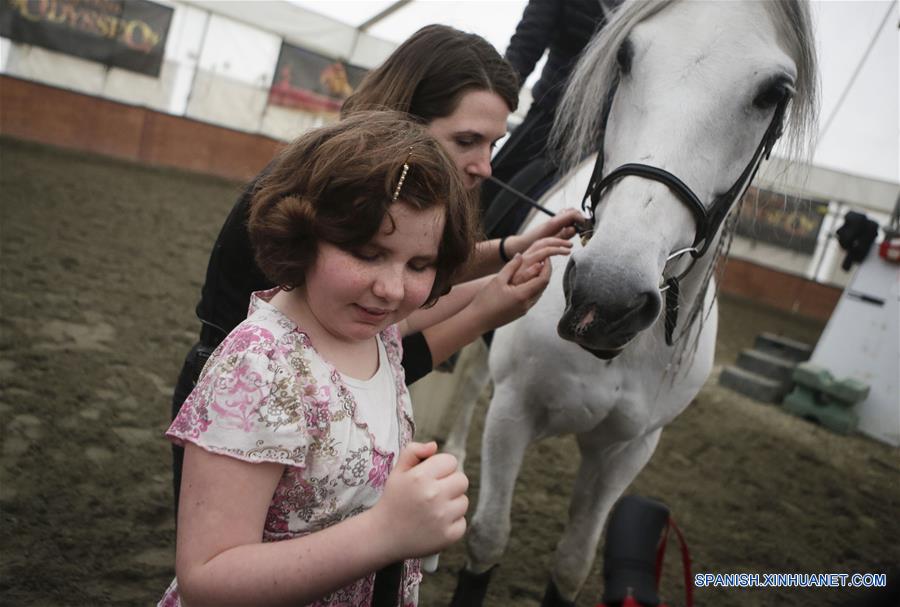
{"x":856,"y":162}
{"x":860,"y":89}
{"x":239,"y":40}
{"x":307,"y":28}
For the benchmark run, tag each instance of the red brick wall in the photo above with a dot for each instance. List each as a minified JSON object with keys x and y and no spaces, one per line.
{"x":779,"y":290}
{"x":47,"y":114}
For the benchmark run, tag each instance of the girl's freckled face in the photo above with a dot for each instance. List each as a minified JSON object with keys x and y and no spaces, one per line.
{"x":356,"y":294}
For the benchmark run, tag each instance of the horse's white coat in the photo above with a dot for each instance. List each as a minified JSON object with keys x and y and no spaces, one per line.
{"x":686,"y":106}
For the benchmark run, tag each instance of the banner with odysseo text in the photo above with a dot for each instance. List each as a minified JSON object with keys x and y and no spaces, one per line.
{"x":126,"y":34}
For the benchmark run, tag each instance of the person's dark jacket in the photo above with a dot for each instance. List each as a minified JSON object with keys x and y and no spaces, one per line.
{"x":562,"y":26}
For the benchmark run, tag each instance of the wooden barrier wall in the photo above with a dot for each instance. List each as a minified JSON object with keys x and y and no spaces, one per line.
{"x":55,"y":116}
{"x":779,"y":290}
{"x":64,"y":118}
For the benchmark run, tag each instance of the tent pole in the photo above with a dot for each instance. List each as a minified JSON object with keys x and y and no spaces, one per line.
{"x":364,"y":26}
{"x":388,"y":11}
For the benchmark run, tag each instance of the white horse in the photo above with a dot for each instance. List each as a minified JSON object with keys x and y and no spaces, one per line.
{"x":693,"y":89}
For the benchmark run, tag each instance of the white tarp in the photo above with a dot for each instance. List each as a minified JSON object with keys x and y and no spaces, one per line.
{"x":305,"y":28}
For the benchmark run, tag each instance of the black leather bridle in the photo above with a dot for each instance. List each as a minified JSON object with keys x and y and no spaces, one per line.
{"x":708,"y":220}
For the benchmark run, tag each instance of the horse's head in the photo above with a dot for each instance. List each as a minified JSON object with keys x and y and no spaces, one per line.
{"x":699,"y":85}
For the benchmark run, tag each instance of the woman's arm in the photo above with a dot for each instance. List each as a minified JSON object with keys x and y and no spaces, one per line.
{"x":503,"y":302}
{"x":500,"y":297}
{"x":507,"y":296}
{"x":459,"y":297}
{"x":222,"y":561}
{"x":532,"y":36}
{"x":487,"y":258}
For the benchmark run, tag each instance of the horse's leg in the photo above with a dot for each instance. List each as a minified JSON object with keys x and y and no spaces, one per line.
{"x":474,"y":376}
{"x":508,"y":431}
{"x":603,"y":475}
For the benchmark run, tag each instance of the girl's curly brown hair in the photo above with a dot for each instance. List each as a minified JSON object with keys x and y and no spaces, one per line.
{"x":336,"y":184}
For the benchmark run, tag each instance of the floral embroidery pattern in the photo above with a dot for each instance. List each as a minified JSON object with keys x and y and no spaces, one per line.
{"x":355,"y":467}
{"x":315,"y":403}
{"x":381,"y":467}
{"x":266,"y":395}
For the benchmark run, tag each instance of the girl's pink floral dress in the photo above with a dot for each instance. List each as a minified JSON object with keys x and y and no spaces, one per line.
{"x":266,"y":395}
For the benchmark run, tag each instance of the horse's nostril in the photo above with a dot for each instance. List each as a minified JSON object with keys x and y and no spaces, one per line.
{"x":569,"y":280}
{"x":650,"y":306}
{"x":640,"y":312}
{"x":581,"y":326}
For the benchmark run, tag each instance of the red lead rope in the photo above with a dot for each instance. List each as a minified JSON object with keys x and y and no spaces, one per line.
{"x":685,"y":562}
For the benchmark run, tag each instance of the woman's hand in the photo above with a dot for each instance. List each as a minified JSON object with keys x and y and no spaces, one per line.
{"x":490,"y":253}
{"x":535,"y":257}
{"x":516,"y":288}
{"x":424,"y":502}
{"x":562,"y":225}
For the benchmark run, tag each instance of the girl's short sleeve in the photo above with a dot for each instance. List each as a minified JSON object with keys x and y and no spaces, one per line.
{"x":250,"y":403}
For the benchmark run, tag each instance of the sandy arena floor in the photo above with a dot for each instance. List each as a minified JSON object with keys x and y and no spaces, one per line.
{"x":101,"y":265}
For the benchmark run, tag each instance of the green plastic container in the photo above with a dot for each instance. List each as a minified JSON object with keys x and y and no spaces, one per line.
{"x":845,"y":392}
{"x":823,"y":410}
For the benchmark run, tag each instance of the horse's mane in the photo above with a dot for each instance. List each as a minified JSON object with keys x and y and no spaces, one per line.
{"x":794,"y":22}
{"x":576,"y":129}
{"x":577,"y":126}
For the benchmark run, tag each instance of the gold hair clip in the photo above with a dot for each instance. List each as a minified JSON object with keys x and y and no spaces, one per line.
{"x":402,"y":176}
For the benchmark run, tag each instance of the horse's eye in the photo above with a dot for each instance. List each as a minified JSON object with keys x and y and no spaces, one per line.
{"x":624,"y":56}
{"x":771,"y":95}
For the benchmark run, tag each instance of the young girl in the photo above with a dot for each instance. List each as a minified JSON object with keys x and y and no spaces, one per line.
{"x":463,"y":91}
{"x":300,"y":476}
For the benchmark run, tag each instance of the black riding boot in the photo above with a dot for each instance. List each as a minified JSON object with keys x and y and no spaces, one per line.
{"x":552,"y":597}
{"x":629,"y":556}
{"x":471,"y":588}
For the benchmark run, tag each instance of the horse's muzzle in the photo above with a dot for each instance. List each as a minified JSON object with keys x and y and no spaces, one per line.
{"x":584,"y":327}
{"x":603,"y":320}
